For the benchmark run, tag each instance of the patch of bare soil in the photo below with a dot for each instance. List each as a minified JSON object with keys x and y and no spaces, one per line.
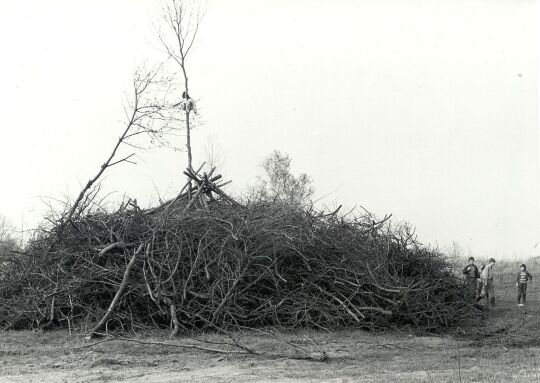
{"x":503,"y":348}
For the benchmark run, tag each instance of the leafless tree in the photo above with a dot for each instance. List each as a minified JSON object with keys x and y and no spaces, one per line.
{"x":213,"y":153}
{"x":7,"y":238}
{"x":455,"y":254}
{"x":147,"y":113}
{"x":181,"y":20}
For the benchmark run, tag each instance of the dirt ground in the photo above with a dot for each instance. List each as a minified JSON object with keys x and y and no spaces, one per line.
{"x":505,"y":347}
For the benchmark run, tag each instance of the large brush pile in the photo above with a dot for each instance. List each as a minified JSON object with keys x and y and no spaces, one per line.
{"x":227,"y":267}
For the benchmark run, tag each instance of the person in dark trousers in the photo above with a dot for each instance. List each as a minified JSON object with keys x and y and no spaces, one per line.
{"x":522,"y":279}
{"x":471,"y":277}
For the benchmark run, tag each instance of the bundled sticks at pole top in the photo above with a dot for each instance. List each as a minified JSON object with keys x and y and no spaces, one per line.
{"x":200,"y":189}
{"x":206,"y":185}
{"x":204,"y":266}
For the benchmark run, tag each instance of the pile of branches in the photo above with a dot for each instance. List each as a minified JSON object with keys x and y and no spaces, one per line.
{"x":227,"y":266}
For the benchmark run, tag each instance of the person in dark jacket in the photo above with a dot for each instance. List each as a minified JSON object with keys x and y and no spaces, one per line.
{"x":522,"y":279}
{"x":471,"y":277}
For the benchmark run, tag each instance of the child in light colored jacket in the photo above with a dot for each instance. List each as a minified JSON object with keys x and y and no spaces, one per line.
{"x":488,"y":289}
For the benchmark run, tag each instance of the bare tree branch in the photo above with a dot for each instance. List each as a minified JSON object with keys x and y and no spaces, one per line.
{"x":182,"y":24}
{"x":148,"y":114}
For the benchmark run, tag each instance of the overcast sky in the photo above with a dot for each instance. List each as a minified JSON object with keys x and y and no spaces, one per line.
{"x":424,"y":109}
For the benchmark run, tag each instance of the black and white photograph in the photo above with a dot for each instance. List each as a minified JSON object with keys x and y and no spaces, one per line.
{"x":269,"y":191}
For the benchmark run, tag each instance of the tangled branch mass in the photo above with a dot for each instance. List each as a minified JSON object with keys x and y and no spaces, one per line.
{"x":224,"y":267}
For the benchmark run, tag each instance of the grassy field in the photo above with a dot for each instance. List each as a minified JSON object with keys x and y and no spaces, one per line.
{"x":503,"y":347}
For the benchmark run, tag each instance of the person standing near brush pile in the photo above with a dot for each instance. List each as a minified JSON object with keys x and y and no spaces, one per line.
{"x":480,"y":284}
{"x":471,"y":277}
{"x":488,"y":289}
{"x":523,"y":277}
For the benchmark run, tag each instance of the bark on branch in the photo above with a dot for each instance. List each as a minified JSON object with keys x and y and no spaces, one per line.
{"x":118,"y":294}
